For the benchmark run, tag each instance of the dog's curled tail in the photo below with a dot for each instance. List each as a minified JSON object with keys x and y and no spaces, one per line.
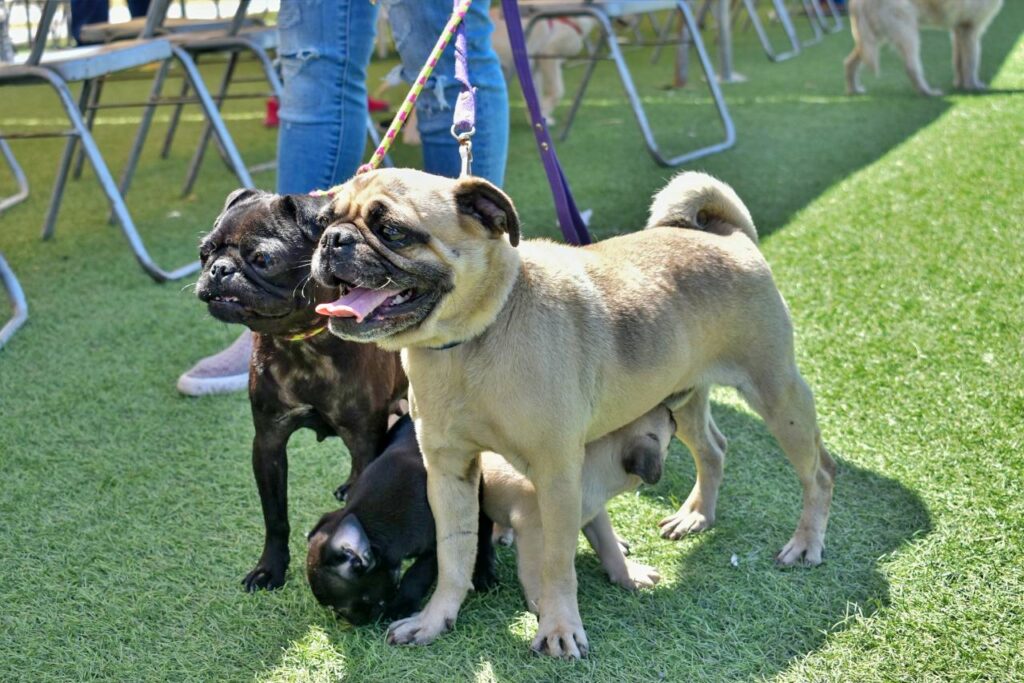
{"x":697,"y":201}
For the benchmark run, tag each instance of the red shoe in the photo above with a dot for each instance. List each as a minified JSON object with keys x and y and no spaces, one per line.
{"x":375,"y":105}
{"x":271,"y":120}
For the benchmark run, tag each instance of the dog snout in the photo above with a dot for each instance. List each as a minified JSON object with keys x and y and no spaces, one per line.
{"x":337,"y":237}
{"x":222,"y":268}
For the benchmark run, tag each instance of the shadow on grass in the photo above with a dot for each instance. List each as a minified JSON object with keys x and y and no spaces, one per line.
{"x":711,"y":618}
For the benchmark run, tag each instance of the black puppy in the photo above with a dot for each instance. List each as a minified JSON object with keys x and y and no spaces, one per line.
{"x":355,"y":553}
{"x":256,"y":272}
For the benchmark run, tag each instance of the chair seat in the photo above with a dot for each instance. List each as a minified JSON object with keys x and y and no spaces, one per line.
{"x":92,"y":61}
{"x":127,"y":30}
{"x":216,"y":41}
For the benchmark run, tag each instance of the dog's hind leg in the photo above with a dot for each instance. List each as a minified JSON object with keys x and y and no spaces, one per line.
{"x":907,"y":42}
{"x":785,"y":402}
{"x":696,"y":428}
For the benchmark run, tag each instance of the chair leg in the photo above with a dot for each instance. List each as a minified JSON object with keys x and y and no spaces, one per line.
{"x":19,"y":178}
{"x":50,"y":220}
{"x":172,"y":128}
{"x":18,"y":303}
{"x":140,"y":135}
{"x":213,"y":116}
{"x":106,"y":181}
{"x":809,"y":10}
{"x":762,"y":32}
{"x":204,"y":137}
{"x":90,"y":119}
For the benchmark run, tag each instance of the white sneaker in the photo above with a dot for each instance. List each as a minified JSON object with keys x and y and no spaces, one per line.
{"x":220,"y":373}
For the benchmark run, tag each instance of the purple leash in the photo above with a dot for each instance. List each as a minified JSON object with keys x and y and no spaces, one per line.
{"x":569,"y":219}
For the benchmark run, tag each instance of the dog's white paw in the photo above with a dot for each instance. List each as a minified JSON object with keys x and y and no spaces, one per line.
{"x":421,"y":628}
{"x":503,"y":535}
{"x":804,"y":546}
{"x":688,"y":520}
{"x":637,"y":576}
{"x":561,"y":637}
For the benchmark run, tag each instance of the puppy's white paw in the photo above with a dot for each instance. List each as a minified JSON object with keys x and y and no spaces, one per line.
{"x":637,"y":576}
{"x":503,"y":535}
{"x":688,"y":520}
{"x":561,"y":637}
{"x":420,"y":629}
{"x":804,"y":546}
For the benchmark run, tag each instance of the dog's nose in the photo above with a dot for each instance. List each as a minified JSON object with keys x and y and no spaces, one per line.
{"x":221,"y":268}
{"x":335,"y":238}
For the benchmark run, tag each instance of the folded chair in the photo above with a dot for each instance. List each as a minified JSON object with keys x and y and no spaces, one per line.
{"x":59,"y":68}
{"x":604,"y":12}
{"x":14,"y":292}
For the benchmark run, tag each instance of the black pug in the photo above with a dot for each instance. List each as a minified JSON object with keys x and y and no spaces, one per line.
{"x":354,"y":563}
{"x":256,"y":272}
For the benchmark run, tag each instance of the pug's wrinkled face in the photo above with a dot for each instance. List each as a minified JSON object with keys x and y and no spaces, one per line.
{"x":344,"y":572}
{"x":398,"y":245}
{"x":256,"y":262}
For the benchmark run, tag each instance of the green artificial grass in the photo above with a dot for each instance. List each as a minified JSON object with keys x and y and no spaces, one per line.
{"x":128,"y":514}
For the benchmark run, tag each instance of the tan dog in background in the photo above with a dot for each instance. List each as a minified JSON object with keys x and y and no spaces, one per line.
{"x":536,"y":351}
{"x":614,"y":464}
{"x":873,"y":22}
{"x":554,"y":39}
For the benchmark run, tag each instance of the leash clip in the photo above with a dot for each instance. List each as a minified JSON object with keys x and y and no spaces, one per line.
{"x":465,"y":150}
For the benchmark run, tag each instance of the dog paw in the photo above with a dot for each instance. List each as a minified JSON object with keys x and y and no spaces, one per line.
{"x":341,"y":492}
{"x":420,"y":629}
{"x":803,"y":547}
{"x":638,"y":576}
{"x":685,"y":521}
{"x":264,"y":577}
{"x":561,"y":638}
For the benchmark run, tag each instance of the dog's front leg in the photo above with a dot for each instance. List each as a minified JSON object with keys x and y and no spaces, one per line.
{"x":453,"y":479}
{"x":270,"y":467}
{"x":557,"y":480}
{"x":414,"y":586}
{"x":626,"y":573}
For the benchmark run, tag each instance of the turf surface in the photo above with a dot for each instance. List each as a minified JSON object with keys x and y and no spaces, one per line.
{"x":128,"y":515}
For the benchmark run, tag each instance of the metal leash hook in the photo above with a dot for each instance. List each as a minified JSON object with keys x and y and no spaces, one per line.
{"x":465,"y":150}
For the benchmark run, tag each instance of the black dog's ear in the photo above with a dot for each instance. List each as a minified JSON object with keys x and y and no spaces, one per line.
{"x":320,"y":522}
{"x":350,"y":546}
{"x":304,"y":210}
{"x":238,"y":195}
{"x":486,"y":203}
{"x":643,"y":458}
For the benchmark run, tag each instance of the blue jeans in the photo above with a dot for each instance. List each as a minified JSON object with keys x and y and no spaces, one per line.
{"x":325,"y":47}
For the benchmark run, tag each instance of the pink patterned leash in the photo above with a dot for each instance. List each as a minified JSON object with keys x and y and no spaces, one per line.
{"x":460,"y":130}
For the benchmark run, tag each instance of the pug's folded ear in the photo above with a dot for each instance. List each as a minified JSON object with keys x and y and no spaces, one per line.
{"x":304,"y":210}
{"x":643,"y":458}
{"x":491,"y":207}
{"x":239,"y":195}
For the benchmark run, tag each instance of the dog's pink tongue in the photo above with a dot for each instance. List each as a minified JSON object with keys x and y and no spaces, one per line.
{"x":357,"y":303}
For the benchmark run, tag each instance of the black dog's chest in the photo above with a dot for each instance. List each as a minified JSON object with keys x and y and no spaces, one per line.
{"x":309,"y":391}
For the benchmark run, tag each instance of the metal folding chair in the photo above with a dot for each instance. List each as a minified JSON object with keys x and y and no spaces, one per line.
{"x":18,"y":303}
{"x":87,"y":64}
{"x":19,"y":177}
{"x":15,"y":294}
{"x":603,"y":12}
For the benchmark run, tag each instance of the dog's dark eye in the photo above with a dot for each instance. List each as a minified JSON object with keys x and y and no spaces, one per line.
{"x":260,"y":259}
{"x":392,"y":234}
